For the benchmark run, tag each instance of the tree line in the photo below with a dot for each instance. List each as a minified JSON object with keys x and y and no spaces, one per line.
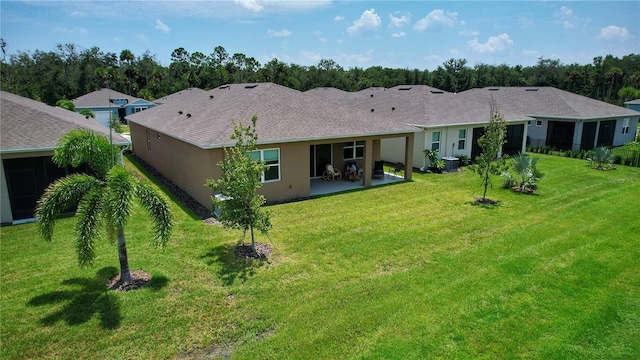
{"x":69,"y":71}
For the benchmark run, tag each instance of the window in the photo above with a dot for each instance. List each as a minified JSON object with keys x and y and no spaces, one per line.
{"x":529,"y":122}
{"x":462,"y":138}
{"x":538,"y":122}
{"x":353,"y":150}
{"x":271,"y":157}
{"x":625,"y":126}
{"x":435,"y":140}
{"x":138,"y":109}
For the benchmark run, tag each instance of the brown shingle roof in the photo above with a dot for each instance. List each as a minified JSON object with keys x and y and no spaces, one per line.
{"x":100,"y":98}
{"x":424,"y":106}
{"x":26,"y":124}
{"x":546,"y":102}
{"x":284,"y":115}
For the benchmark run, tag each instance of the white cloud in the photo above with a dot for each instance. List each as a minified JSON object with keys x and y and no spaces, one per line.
{"x":251,"y":5}
{"x":78,"y":14}
{"x":142,"y":38}
{"x":320,"y":36}
{"x":369,"y":22}
{"x":398,"y":22}
{"x":281,"y":33}
{"x":162,"y":27}
{"x":613,"y":32}
{"x":525,"y":22}
{"x":568,"y":19}
{"x":528,"y":52}
{"x":355,"y":58}
{"x":470,"y":33}
{"x":310,"y":57}
{"x":338,"y":18}
{"x":75,"y":31}
{"x":398,"y":34}
{"x":437,"y":19}
{"x":494,"y":44}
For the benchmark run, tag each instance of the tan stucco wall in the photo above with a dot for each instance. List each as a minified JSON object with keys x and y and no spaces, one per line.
{"x":189,"y":166}
{"x":186,"y":165}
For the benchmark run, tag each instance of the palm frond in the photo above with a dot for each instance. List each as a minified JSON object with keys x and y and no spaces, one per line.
{"x":159,"y":210}
{"x":61,"y":195}
{"x":82,"y":146}
{"x":120,"y":185}
{"x":87,"y":228}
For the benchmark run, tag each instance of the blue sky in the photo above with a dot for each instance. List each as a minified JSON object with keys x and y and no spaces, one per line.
{"x":397,"y":34}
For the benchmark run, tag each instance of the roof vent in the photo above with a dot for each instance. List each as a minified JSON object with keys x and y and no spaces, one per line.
{"x":494,"y":89}
{"x":210,"y":96}
{"x":180,"y":112}
{"x":188,"y":116}
{"x":371,"y":95}
{"x":250,"y":86}
{"x":437,"y":92}
{"x":87,"y":117}
{"x":393,"y":109}
{"x":531,"y":89}
{"x":224,"y":87}
{"x":372,"y":110}
{"x":405,"y":88}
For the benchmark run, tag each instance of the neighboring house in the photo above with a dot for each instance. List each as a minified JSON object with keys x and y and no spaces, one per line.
{"x":448,"y":123}
{"x":105,"y":101}
{"x":633,"y":104}
{"x":299,"y":135}
{"x":29,"y":132}
{"x":178,"y":96}
{"x":561,"y":119}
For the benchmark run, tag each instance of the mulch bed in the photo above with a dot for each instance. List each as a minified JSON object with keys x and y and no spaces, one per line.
{"x":139,"y":279}
{"x":244,"y":251}
{"x":486,"y":201}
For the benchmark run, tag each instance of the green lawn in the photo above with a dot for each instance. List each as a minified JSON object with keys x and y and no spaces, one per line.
{"x":407,"y":271}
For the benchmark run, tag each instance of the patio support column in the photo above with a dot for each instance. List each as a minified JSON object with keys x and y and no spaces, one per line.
{"x":408,"y":156}
{"x":368,"y":162}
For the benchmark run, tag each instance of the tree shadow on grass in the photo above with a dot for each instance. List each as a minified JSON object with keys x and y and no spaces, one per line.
{"x":88,"y":298}
{"x":232,"y":267}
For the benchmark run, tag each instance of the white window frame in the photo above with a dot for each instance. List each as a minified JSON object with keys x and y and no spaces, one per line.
{"x":462,"y":140}
{"x":625,"y":125}
{"x":436,"y":143}
{"x":353,"y":146}
{"x":138,"y":109}
{"x":539,"y":123}
{"x":261,"y":154}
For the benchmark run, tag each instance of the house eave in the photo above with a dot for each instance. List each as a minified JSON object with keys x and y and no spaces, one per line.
{"x":46,"y":149}
{"x":443,"y":126}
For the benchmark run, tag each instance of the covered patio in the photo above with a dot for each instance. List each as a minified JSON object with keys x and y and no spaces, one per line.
{"x":323,"y":187}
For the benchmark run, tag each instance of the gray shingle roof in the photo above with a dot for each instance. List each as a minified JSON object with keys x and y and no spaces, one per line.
{"x":178,"y":96}
{"x":633,"y":102}
{"x":423,"y":106}
{"x":100,"y":98}
{"x":284,"y":115}
{"x":546,"y":102}
{"x":26,"y":124}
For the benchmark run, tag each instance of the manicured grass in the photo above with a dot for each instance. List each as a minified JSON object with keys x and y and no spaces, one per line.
{"x":407,"y":271}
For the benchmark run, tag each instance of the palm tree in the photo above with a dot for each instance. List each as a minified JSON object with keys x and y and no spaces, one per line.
{"x":103,"y":198}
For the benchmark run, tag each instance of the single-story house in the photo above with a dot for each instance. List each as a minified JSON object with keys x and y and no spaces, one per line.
{"x":633,"y":104}
{"x":29,"y":132}
{"x":298,"y":135}
{"x":447,"y":122}
{"x":106,"y":101}
{"x":178,"y":96}
{"x":562,"y":119}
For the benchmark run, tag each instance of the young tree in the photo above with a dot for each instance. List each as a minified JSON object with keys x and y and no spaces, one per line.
{"x":105,"y":198}
{"x":241,"y":177}
{"x":66,"y":104}
{"x":488,"y":163}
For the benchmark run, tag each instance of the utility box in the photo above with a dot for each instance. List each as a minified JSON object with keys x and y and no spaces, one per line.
{"x":450,"y":163}
{"x":216,"y":208}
